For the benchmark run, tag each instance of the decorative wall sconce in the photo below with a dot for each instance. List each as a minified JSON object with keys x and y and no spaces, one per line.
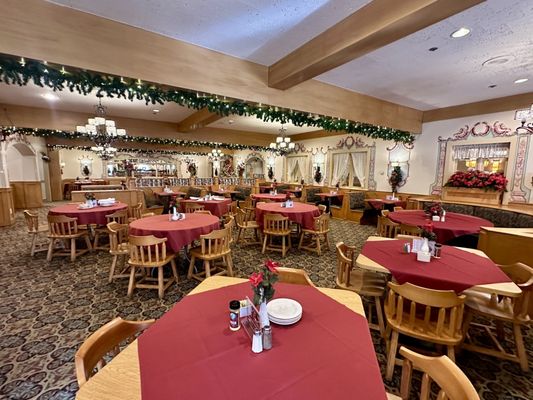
{"x":399,"y":156}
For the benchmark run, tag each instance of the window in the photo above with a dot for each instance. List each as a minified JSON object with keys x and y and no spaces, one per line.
{"x":489,"y":157}
{"x":296,"y":168}
{"x":349,"y":169}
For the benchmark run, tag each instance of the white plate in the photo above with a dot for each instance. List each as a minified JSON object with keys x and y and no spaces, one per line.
{"x":285,"y":322}
{"x":106,"y":204}
{"x":284,"y":309}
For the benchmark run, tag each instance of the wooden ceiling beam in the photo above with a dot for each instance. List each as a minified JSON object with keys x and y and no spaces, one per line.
{"x":198,"y":120}
{"x":375,"y":25}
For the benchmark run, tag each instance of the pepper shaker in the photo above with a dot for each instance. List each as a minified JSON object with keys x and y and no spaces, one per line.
{"x":234,"y":310}
{"x":257,"y":341}
{"x":267,"y":337}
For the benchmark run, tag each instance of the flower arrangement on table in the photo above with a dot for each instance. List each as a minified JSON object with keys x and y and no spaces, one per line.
{"x":427,"y":232}
{"x":90,"y":196}
{"x":263,"y":282}
{"x":476,"y":179}
{"x":433,"y":209}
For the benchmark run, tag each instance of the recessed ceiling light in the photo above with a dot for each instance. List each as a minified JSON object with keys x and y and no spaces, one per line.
{"x":521,"y":80}
{"x":492,"y":86}
{"x":155,"y":111}
{"x":231,"y":121}
{"x":433,"y":48}
{"x":461,"y":32}
{"x":50,"y":97}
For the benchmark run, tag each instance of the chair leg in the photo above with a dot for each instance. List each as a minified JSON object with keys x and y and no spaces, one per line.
{"x":391,"y":358}
{"x":326,"y":239}
{"x":207,"y":266}
{"x":283,"y":246}
{"x":33,"y":243}
{"x":50,"y":250}
{"x":131,"y":284}
{"x":191,"y":267}
{"x":379,"y":313}
{"x":265,"y":238}
{"x":318,"y":249}
{"x":72,"y":249}
{"x":160,"y":283}
{"x":229,"y":262}
{"x":174,"y":271}
{"x":301,"y":240}
{"x":451,"y":352}
{"x":520,"y":349}
{"x":112,"y":269}
{"x":238,"y":236}
{"x":88,"y":242}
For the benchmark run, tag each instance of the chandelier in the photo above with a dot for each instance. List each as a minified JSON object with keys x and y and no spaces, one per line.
{"x":217,"y":154}
{"x":103,"y":132}
{"x":283,"y":143}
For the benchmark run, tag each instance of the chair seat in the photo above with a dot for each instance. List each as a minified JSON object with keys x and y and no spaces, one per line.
{"x":147,"y":264}
{"x":277,"y":233}
{"x":481,"y":303}
{"x":251,"y":225}
{"x":42,"y":228}
{"x":123,"y":248}
{"x":197,"y":252}
{"x":312,"y":231}
{"x":365,"y":283}
{"x":73,"y":236}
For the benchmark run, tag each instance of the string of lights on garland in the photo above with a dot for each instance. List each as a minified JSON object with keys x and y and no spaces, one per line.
{"x":22,"y":71}
{"x":140,"y":152}
{"x":38,"y":132}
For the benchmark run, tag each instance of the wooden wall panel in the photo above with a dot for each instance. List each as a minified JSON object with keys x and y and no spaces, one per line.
{"x":7,"y":207}
{"x":27,"y":194}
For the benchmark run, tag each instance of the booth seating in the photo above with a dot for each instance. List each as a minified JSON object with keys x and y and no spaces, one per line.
{"x":243,"y":192}
{"x":101,"y":187}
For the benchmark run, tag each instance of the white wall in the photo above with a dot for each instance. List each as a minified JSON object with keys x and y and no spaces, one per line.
{"x":72,"y":169}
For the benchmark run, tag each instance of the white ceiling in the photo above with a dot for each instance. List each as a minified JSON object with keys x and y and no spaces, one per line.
{"x":253,"y":124}
{"x":404,"y":72}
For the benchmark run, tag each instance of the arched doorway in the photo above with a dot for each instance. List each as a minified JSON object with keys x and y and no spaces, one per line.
{"x":23,"y":175}
{"x":254,"y":167}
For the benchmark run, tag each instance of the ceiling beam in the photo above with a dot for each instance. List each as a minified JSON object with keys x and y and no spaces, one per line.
{"x":375,"y":25}
{"x":199,"y":119}
{"x":508,"y":103}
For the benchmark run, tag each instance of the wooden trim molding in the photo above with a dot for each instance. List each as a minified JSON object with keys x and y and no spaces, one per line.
{"x":508,"y":103}
{"x":44,"y":31}
{"x":199,"y":119}
{"x":373,"y":26}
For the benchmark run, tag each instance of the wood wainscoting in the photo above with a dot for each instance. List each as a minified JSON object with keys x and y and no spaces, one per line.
{"x":130,"y":197}
{"x":7,"y":207}
{"x":471,"y":195}
{"x":27,"y":194}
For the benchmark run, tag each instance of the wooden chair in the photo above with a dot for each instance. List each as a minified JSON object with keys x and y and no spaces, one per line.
{"x":148,"y":214}
{"x":398,"y":208}
{"x":409,"y":230}
{"x":276,"y":225}
{"x":294,"y":275}
{"x":232,"y":209}
{"x":387,"y":228}
{"x":369,"y":284}
{"x":384,"y":213}
{"x":118,"y":247}
{"x":322,"y":208}
{"x":246,"y":222}
{"x":453,"y":383}
{"x":150,"y":252}
{"x":120,"y":217}
{"x":213,"y":246}
{"x":320,"y":230}
{"x":61,"y":227}
{"x":228,"y":222}
{"x":206,"y":212}
{"x":193,"y":207}
{"x":135,"y":212}
{"x":96,"y":350}
{"x":502,"y":309}
{"x":434,"y":316}
{"x":35,"y":231}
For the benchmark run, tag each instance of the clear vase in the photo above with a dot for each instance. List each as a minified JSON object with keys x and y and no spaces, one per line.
{"x":263,"y":314}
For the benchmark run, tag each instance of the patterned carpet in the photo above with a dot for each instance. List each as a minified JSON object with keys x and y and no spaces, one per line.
{"x":48,"y":309}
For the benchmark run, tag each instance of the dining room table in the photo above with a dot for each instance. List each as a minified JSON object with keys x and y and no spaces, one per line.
{"x":88,"y":216}
{"x":385,"y":204}
{"x":458,"y":269}
{"x":166,"y":196}
{"x":226,"y":193}
{"x":217,"y":207}
{"x":331,"y":198}
{"x":301,"y":213}
{"x":454,"y":226}
{"x":190,"y":353}
{"x":279,"y":197}
{"x":179,"y":233}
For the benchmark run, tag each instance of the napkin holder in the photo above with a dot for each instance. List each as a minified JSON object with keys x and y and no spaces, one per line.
{"x":423,"y":256}
{"x":249,"y":316}
{"x":435,"y":218}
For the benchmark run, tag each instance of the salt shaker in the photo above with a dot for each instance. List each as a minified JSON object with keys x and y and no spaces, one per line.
{"x":267,"y":337}
{"x":257,"y":341}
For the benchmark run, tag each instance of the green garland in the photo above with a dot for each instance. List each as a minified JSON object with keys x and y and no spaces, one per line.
{"x":38,"y":132}
{"x":126,"y":150}
{"x":20,"y":72}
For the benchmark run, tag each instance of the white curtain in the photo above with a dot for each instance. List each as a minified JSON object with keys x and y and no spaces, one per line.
{"x":291,"y":163}
{"x":359,"y":166}
{"x":475,"y":151}
{"x":296,"y":168}
{"x":340,"y":167}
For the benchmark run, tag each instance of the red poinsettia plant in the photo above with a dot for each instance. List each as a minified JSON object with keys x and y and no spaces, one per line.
{"x":478,"y":179}
{"x":263,"y":281}
{"x":434,"y":208}
{"x":427,"y":232}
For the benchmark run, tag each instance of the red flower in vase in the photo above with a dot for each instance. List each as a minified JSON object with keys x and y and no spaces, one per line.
{"x":256,"y":278}
{"x":272,"y":266}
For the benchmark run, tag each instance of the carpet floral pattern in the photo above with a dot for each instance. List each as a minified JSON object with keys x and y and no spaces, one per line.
{"x":48,"y":309}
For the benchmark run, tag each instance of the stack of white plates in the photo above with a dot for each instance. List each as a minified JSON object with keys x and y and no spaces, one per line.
{"x":284,"y":311}
{"x":106,"y":202}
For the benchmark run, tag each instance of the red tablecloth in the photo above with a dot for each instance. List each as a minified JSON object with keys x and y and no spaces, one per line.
{"x":339,"y":195}
{"x":94,"y":215}
{"x":178,"y":233}
{"x":301,"y":213}
{"x":171,"y":194}
{"x":190,"y":353}
{"x":379,"y":203}
{"x":456,"y":270}
{"x":266,"y":196}
{"x":454,"y":226}
{"x":217,"y":207}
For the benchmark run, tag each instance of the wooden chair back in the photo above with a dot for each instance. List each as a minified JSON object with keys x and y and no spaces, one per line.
{"x":322,"y":208}
{"x":62,"y":226}
{"x":384,"y":213}
{"x":120,"y":216}
{"x":32,"y":221}
{"x":276,"y":224}
{"x":522,"y":275}
{"x":193,"y":207}
{"x":216,"y":243}
{"x":92,"y":354}
{"x":321,"y":223}
{"x":243,"y":216}
{"x":206,"y":212}
{"x":294,"y":275}
{"x":422,"y":312}
{"x":453,"y":383}
{"x":232,"y":208}
{"x":147,"y":250}
{"x":345,"y":256}
{"x":148,"y":214}
{"x":387,"y":228}
{"x":118,"y":234}
{"x":398,"y":208}
{"x":409,"y":230}
{"x":228,"y":221}
{"x":136,"y":211}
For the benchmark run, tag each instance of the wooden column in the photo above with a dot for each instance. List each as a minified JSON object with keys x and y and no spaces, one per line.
{"x":54,"y":168}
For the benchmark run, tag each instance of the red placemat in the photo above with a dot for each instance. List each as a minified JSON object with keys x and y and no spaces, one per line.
{"x":455,"y":225}
{"x":300,"y":213}
{"x":190,"y":353}
{"x":456,"y":270}
{"x":178,"y":233}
